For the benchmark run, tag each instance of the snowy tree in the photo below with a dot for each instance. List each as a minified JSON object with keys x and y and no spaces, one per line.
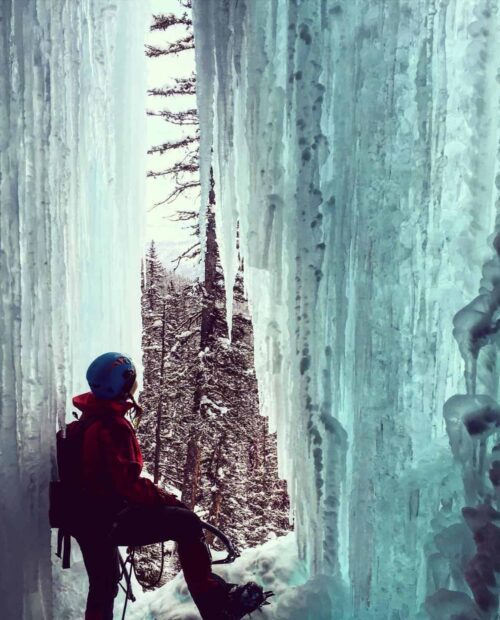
{"x":184,"y":169}
{"x":220,"y":478}
{"x":153,"y":316}
{"x":203,"y":436}
{"x":168,"y":308}
{"x":214,"y":447}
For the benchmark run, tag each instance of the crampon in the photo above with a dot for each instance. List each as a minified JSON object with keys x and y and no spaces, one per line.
{"x":243,"y":600}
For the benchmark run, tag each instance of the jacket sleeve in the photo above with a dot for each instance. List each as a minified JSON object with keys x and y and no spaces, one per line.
{"x":124,"y":465}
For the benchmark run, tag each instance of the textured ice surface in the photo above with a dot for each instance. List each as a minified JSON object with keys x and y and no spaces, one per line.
{"x":356,"y":147}
{"x":71,"y":185}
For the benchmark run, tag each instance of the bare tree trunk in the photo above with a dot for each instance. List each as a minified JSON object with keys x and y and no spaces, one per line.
{"x":208,"y":322}
{"x":208,"y":314}
{"x":192,"y":471}
{"x":159,"y":409}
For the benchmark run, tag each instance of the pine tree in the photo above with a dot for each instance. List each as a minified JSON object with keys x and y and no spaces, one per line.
{"x":232,"y":478}
{"x":153,"y":287}
{"x":203,"y":436}
{"x":220,"y":478}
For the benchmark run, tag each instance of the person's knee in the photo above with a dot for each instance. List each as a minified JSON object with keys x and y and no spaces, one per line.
{"x":190,"y":528}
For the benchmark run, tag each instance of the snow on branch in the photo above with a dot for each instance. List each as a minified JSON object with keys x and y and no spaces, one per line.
{"x":172,"y":48}
{"x":163,"y":22}
{"x":187,"y":117}
{"x":183,"y":86}
{"x":178,"y":144}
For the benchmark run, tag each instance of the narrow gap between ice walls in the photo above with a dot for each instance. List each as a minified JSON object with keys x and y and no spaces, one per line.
{"x":355,"y":148}
{"x":202,"y":438}
{"x":71,"y":189}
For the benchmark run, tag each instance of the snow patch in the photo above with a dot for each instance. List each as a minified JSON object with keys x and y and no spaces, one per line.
{"x":275,"y":565}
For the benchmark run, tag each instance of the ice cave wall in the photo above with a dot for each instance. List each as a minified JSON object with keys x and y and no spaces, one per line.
{"x":72,"y":168}
{"x":356,"y":147}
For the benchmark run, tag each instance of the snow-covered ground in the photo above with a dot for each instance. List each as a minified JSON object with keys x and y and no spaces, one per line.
{"x":274,"y":565}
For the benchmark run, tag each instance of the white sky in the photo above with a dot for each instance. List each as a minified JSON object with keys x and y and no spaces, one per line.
{"x":172,"y":237}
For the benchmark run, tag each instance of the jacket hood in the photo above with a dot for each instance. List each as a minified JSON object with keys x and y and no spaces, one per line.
{"x":89,"y":404}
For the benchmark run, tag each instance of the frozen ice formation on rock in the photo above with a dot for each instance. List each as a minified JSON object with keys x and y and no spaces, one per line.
{"x":355,"y":148}
{"x":472,"y":420}
{"x":72,"y":100}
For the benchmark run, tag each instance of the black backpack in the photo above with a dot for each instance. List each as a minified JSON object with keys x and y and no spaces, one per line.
{"x":66,"y":494}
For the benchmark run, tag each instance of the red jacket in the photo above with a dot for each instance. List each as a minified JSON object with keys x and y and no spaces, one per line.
{"x":112,"y":460}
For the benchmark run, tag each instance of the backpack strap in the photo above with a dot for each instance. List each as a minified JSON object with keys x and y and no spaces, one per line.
{"x":66,"y":558}
{"x":64,"y":547}
{"x":60,"y":537}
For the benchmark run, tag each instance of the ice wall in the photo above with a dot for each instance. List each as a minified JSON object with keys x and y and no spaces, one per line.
{"x":72,"y":166}
{"x":356,"y":146}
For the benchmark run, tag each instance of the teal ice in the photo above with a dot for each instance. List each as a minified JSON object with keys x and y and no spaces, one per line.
{"x":356,"y":148}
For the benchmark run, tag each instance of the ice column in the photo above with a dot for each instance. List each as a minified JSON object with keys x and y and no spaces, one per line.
{"x":355,"y":144}
{"x":71,"y":187}
{"x":472,"y":423}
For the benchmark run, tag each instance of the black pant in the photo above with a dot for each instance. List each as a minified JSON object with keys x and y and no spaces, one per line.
{"x":138,"y":526}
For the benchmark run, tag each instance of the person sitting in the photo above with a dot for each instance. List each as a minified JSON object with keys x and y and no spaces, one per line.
{"x":122,"y":508}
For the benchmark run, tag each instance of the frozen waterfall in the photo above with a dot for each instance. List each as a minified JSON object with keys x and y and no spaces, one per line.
{"x":356,"y":147}
{"x":72,"y":169}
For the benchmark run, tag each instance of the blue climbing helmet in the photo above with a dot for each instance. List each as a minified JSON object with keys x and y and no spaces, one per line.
{"x":111,"y":375}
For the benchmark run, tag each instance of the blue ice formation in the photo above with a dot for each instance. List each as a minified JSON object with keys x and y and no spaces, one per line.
{"x":355,"y":146}
{"x":356,"y":150}
{"x":72,"y":100}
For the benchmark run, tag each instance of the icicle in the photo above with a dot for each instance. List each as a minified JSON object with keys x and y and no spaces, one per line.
{"x":204,"y":54}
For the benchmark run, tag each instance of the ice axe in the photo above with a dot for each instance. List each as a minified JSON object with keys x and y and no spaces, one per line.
{"x":232,"y":551}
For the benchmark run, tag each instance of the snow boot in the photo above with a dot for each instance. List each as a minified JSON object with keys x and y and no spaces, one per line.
{"x":243,"y":600}
{"x":232,"y":602}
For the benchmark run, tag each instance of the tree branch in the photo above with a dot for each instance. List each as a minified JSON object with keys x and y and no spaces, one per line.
{"x":170,"y":92}
{"x":176,"y":169}
{"x":169,"y":146}
{"x":176,"y":192}
{"x":191,"y":252}
{"x":183,"y":86}
{"x":163,"y":22}
{"x":189,"y":163}
{"x":184,"y":216}
{"x":187,"y":117}
{"x":172,"y":48}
